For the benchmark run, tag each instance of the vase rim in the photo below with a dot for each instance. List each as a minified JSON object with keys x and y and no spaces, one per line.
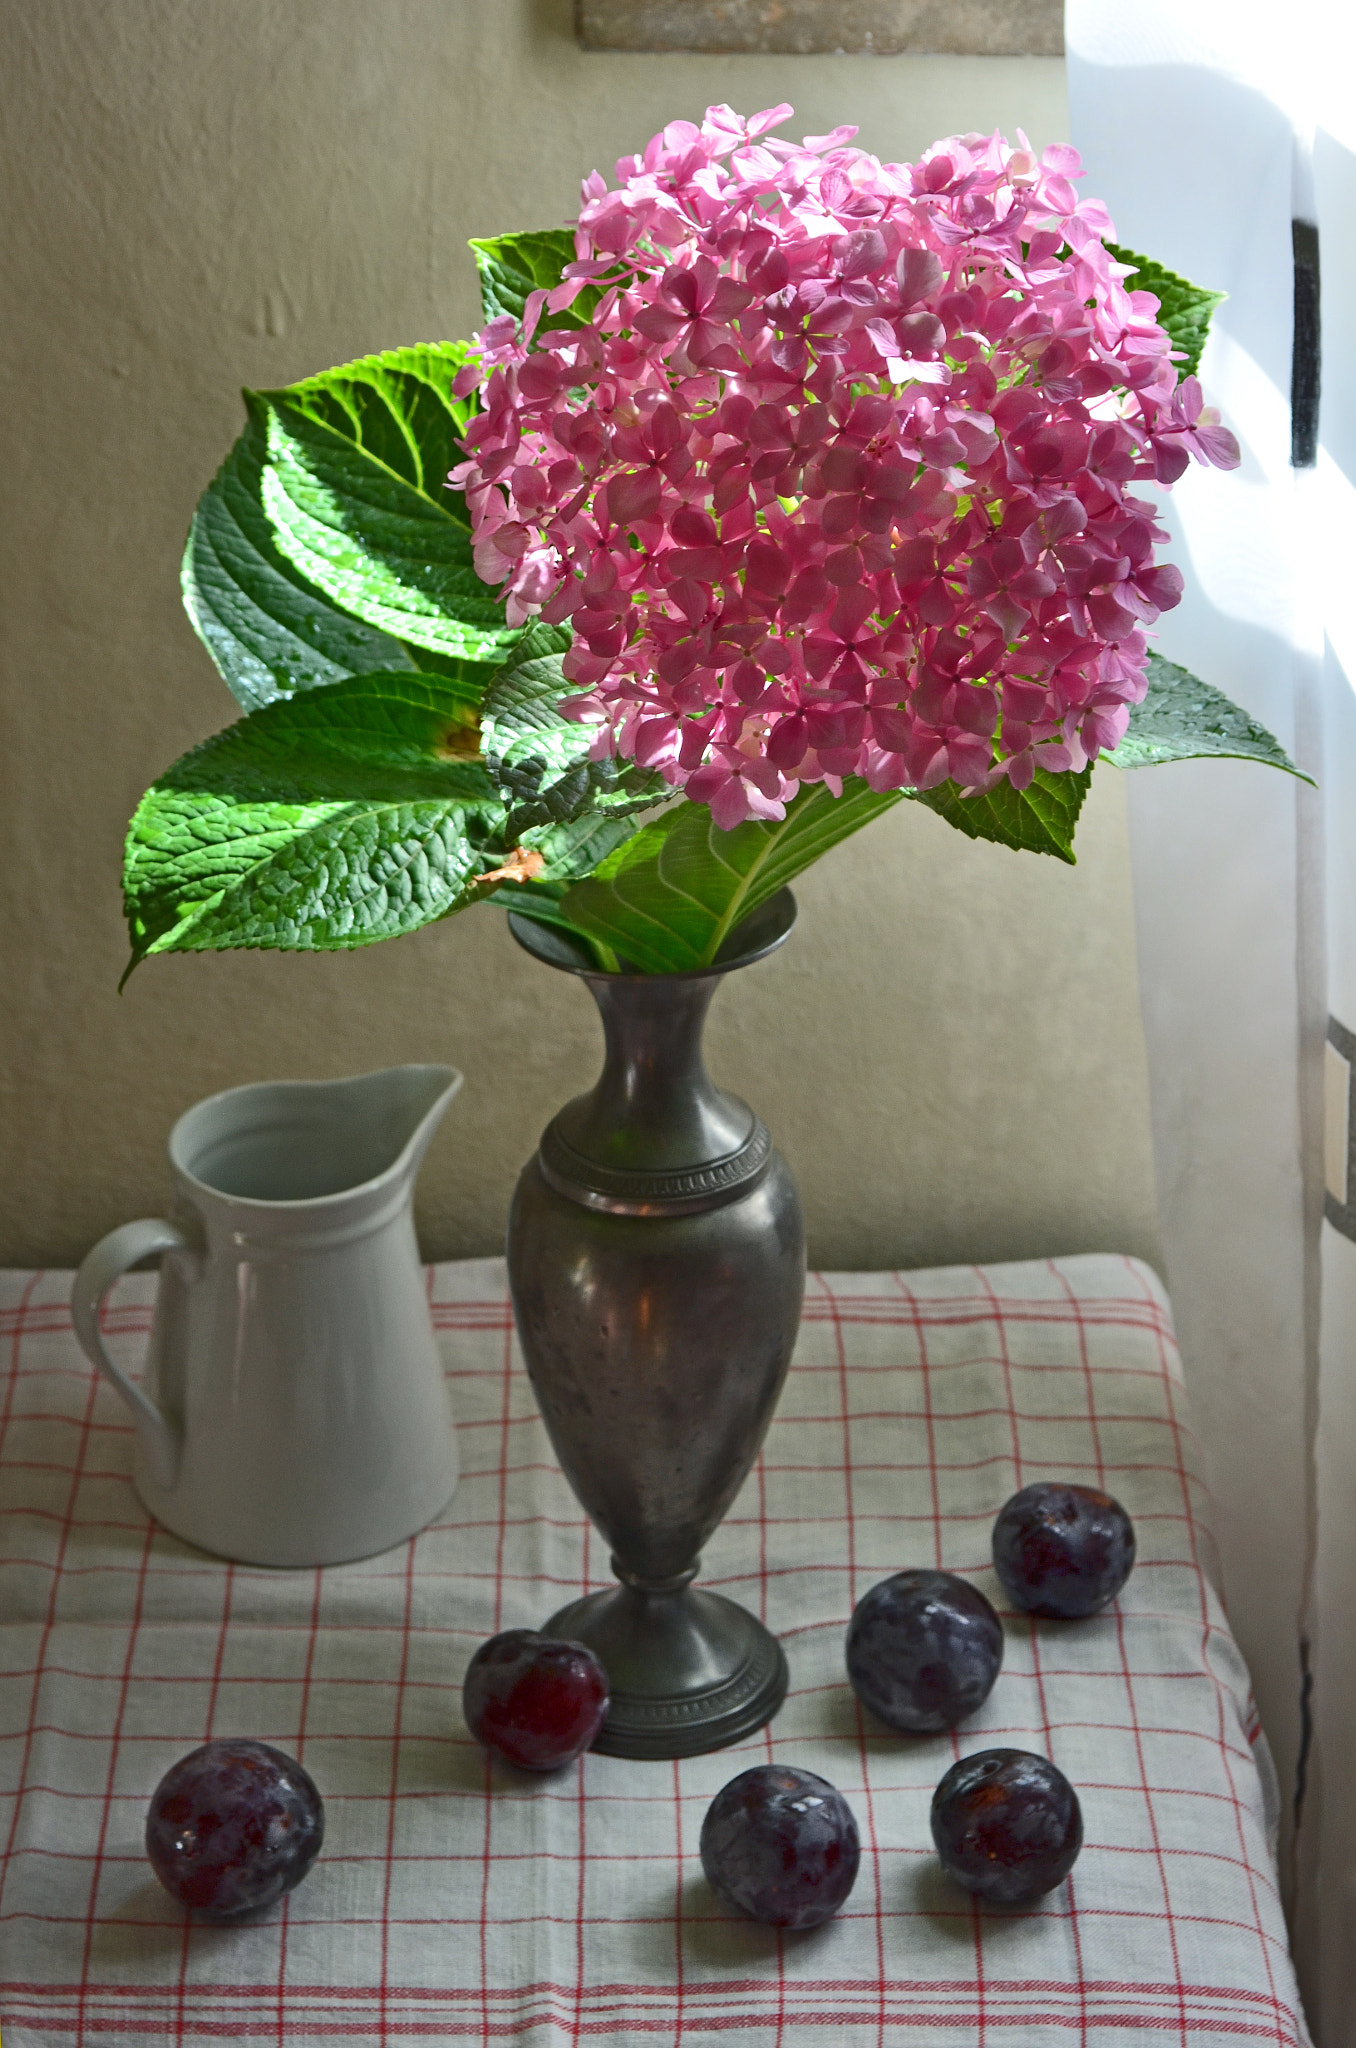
{"x":753,"y":938}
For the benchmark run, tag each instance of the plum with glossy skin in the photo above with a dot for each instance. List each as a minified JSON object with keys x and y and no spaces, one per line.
{"x":535,"y":1700}
{"x":780,"y":1845}
{"x":1007,"y":1825}
{"x":923,"y":1650}
{"x":1062,"y":1551}
{"x":232,"y":1826}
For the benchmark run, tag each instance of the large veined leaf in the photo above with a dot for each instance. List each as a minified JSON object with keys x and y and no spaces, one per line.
{"x":512,"y":266}
{"x":540,"y":760}
{"x":670,"y":896}
{"x":269,"y":631}
{"x":571,"y":849}
{"x":1183,"y":719}
{"x":1184,"y":309}
{"x":1037,"y":819}
{"x":355,"y":489}
{"x":329,"y":820}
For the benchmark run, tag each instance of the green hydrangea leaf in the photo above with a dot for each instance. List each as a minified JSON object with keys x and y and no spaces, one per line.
{"x":474,"y":677}
{"x":269,"y":631}
{"x":355,"y":490}
{"x":512,"y":266}
{"x":539,"y":759}
{"x":670,"y":896}
{"x":575,"y":847}
{"x":1184,"y":309}
{"x":328,"y":820}
{"x":1037,"y":819}
{"x":1184,"y":719}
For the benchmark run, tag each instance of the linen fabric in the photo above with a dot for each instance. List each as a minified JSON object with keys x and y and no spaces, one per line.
{"x":456,"y":1899}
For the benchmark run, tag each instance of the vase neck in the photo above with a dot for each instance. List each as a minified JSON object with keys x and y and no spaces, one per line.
{"x":654,"y":1107}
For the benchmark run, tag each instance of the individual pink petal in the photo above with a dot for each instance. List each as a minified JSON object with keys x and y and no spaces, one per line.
{"x":820,"y":144}
{"x":632,"y":496}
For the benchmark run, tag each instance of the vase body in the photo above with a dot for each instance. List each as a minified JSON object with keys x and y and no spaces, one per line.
{"x":657,"y":1261}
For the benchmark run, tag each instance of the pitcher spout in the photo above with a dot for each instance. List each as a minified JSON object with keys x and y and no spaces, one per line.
{"x":303,"y":1143}
{"x":406,"y":1106}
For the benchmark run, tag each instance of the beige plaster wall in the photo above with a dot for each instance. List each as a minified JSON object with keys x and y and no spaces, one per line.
{"x":209,"y":193}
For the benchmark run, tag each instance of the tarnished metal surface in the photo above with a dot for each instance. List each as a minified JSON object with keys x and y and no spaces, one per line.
{"x":657,"y":1260}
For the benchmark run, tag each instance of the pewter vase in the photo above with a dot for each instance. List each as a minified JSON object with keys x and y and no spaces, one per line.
{"x":657,"y":1261}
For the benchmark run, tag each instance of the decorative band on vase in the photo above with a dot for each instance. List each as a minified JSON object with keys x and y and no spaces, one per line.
{"x":629,"y":1192}
{"x":704,"y":1707}
{"x":693,"y":1724}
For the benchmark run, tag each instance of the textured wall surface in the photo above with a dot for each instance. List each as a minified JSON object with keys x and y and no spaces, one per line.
{"x":209,"y":193}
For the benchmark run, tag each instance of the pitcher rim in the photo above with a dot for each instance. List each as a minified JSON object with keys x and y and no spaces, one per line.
{"x":454,"y":1080}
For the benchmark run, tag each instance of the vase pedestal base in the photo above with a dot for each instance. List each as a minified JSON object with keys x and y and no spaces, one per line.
{"x":689,"y":1670}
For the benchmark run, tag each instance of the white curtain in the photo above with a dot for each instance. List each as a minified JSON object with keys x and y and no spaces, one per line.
{"x":1329,"y":586}
{"x":1210,"y":127}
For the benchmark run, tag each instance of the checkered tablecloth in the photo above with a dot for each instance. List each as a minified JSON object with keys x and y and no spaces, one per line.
{"x":457,"y":1901}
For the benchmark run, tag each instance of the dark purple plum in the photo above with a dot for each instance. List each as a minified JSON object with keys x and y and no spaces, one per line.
{"x":780,"y":1845}
{"x":1062,"y":1551}
{"x":535,"y":1700}
{"x":923,"y":1650}
{"x":1007,"y":1825}
{"x":232,"y":1826}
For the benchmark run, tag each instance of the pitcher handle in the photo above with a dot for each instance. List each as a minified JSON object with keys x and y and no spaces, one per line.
{"x":107,"y":1262}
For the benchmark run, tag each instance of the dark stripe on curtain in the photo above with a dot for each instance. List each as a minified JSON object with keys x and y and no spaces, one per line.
{"x":1307,"y":356}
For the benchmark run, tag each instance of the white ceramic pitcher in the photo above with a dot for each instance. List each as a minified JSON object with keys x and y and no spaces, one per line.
{"x":293,"y":1409}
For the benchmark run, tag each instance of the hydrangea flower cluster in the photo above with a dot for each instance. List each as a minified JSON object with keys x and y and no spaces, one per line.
{"x":836,"y":477}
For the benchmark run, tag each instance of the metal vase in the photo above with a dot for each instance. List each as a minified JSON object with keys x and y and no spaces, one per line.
{"x":656,"y":1255}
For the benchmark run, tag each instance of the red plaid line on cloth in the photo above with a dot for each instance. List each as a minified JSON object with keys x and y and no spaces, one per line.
{"x":457,"y":1901}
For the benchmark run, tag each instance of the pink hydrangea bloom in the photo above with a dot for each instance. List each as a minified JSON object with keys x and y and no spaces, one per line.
{"x":837,"y":479}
